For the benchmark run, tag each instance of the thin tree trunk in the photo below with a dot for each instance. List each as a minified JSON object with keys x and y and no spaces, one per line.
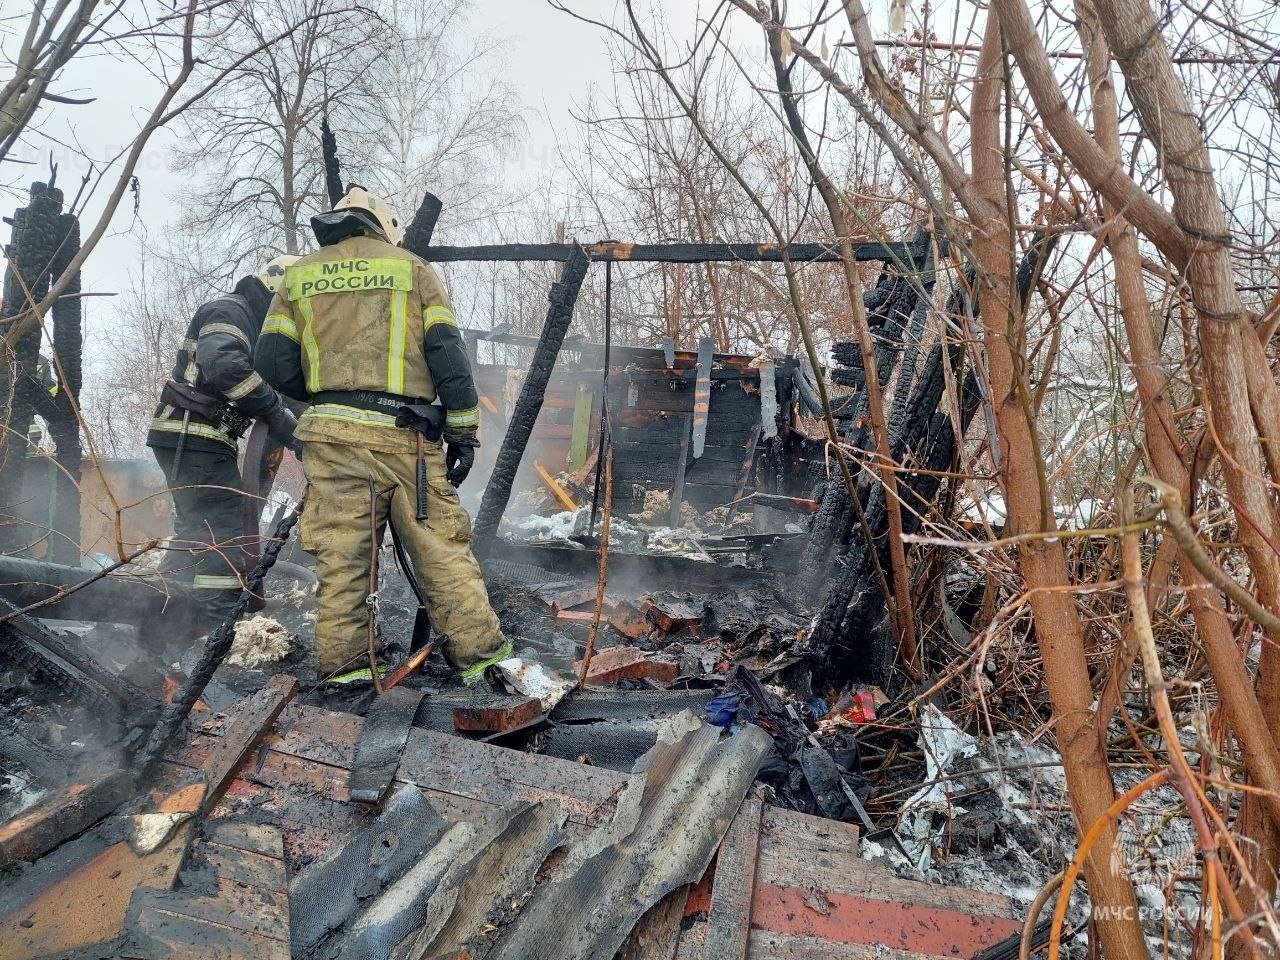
{"x":1244,"y":713}
{"x":1059,"y":631}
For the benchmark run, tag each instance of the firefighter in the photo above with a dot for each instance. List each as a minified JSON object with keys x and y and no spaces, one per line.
{"x":209,"y":401}
{"x":365,"y":332}
{"x":35,"y":432}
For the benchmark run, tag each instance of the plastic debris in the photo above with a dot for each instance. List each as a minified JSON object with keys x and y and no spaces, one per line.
{"x":943,"y":744}
{"x":535,"y":680}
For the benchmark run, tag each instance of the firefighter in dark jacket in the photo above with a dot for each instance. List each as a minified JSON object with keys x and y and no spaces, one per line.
{"x":365,"y":332}
{"x":209,"y":401}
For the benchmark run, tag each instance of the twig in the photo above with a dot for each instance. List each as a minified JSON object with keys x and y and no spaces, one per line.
{"x":602,"y":574}
{"x":1029,"y":923}
{"x":63,"y":592}
{"x":1180,"y":527}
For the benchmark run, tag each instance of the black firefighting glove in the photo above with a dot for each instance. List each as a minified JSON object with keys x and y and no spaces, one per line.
{"x":280,"y":424}
{"x":459,"y":453}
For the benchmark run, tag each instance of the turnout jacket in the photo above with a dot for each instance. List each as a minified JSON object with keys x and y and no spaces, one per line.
{"x":363,"y":315}
{"x":216,"y":357}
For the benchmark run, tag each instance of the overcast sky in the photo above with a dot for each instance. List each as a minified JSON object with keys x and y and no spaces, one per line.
{"x":552,"y":60}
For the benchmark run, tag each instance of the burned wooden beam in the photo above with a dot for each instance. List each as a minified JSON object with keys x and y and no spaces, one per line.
{"x":332,"y":169}
{"x":27,"y":643}
{"x":897,"y":253}
{"x":563,"y":296}
{"x":133,"y":598}
{"x":68,"y":812}
{"x":253,"y":718}
{"x":417,"y":236}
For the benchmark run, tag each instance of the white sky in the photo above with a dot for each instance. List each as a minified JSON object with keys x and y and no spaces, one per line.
{"x":551,"y":60}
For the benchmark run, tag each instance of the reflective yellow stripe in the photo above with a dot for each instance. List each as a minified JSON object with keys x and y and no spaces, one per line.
{"x":437,"y":314}
{"x":206,"y":581}
{"x":310,"y":346}
{"x":360,"y":673}
{"x":279,"y":323}
{"x":395,"y":345}
{"x":338,"y":411}
{"x":228,"y":329}
{"x":463,"y":418}
{"x":245,"y":387}
{"x":347,"y":276}
{"x":193,"y":429}
{"x":192,"y":373}
{"x":475,"y":673}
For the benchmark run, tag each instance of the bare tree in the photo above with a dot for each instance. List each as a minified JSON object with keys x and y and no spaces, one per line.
{"x":253,"y":145}
{"x":439,"y":114}
{"x":51,"y":38}
{"x":174,"y":42}
{"x":139,"y":348}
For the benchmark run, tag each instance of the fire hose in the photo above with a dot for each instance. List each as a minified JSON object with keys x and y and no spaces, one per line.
{"x":214,"y":650}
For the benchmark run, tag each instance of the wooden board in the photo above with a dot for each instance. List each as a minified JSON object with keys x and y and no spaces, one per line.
{"x":243,"y":912}
{"x":254,"y":716}
{"x":299,"y":780}
{"x":729,"y":920}
{"x":160,"y":934}
{"x":657,"y":935}
{"x":88,"y":905}
{"x":875,"y":920}
{"x":66,"y":813}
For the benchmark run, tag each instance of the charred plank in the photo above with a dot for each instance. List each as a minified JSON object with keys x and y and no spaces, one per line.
{"x":563,"y":296}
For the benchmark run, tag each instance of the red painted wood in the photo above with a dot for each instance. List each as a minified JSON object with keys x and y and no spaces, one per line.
{"x":847,"y":919}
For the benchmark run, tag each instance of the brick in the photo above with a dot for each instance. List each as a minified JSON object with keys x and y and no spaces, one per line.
{"x":671,"y":612}
{"x":629,"y":621}
{"x":628,"y":663}
{"x":496,"y":716}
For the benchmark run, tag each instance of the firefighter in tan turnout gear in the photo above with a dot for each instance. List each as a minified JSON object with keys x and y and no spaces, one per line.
{"x":364,"y":331}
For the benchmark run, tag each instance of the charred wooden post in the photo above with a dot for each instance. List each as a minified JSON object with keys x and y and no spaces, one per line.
{"x":332,"y":170}
{"x":851,"y":632}
{"x":563,"y":296}
{"x":39,"y":230}
{"x":63,"y":405}
{"x":417,"y":236}
{"x":889,"y":305}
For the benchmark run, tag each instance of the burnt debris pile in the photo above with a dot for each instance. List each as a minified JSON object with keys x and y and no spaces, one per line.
{"x":665,"y":545}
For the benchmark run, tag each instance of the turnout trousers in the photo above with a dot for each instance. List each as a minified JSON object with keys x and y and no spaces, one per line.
{"x":208,"y":530}
{"x":336,"y":531}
